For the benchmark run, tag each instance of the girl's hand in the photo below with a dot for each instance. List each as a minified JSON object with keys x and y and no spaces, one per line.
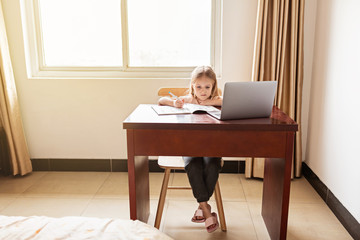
{"x":178,"y":103}
{"x":207,"y":102}
{"x":211,"y":102}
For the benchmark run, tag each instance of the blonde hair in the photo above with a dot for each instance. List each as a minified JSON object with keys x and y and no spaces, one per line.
{"x":204,"y":71}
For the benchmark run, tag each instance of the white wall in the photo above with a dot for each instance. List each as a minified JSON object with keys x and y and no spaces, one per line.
{"x":333,"y":132}
{"x":83,"y":118}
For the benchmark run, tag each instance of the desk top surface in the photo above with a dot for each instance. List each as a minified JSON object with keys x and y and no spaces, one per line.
{"x":144,"y":117}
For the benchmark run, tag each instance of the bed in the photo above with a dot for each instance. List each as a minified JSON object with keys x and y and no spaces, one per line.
{"x":75,"y":228}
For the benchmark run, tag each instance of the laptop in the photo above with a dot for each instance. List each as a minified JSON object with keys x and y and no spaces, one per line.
{"x":247,"y":100}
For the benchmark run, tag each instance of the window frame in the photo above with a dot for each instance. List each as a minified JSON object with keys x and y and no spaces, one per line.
{"x":36,"y":68}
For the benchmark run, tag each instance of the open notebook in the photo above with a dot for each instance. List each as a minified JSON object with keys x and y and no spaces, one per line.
{"x":187,"y":109}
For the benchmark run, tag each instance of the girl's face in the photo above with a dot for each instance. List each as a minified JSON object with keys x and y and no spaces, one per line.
{"x":203,"y":87}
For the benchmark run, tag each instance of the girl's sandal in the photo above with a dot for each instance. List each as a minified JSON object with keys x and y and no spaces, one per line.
{"x":211,"y":223}
{"x":198,"y":216}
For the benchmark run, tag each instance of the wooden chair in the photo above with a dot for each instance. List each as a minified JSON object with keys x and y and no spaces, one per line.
{"x":169,"y":163}
{"x":164,"y":92}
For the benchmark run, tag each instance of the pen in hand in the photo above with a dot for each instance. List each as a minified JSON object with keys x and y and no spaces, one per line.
{"x":173,"y":95}
{"x":178,"y":103}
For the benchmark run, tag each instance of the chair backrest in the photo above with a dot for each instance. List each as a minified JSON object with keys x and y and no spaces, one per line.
{"x":163,"y":92}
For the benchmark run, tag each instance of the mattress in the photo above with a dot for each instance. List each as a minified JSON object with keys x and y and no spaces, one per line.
{"x":75,"y":228}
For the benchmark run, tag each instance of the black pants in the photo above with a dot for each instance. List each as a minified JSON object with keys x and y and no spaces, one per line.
{"x":203,"y":173}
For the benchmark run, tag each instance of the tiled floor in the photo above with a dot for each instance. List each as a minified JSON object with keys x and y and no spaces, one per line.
{"x":104,"y":194}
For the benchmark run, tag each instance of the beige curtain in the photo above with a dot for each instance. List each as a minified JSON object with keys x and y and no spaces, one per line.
{"x":9,"y":109}
{"x":278,"y":56}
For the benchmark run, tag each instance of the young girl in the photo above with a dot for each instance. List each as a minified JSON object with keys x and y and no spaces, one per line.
{"x":203,"y":172}
{"x":203,"y":90}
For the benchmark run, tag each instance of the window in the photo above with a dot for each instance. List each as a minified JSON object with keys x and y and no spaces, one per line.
{"x":120,"y":38}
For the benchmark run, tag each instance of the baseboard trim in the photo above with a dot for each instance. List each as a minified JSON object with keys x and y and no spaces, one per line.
{"x":112,"y":165}
{"x":343,"y":215}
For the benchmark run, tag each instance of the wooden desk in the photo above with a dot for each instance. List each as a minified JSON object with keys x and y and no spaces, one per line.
{"x":202,"y":135}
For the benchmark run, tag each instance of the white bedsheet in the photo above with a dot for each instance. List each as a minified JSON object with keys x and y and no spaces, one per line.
{"x":75,"y":228}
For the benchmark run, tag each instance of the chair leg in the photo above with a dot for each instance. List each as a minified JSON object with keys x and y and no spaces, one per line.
{"x":161,"y":202}
{"x":220,"y":207}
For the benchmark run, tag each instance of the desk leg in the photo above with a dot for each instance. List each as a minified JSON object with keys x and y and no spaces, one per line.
{"x":138,"y":172}
{"x":276,"y":192}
